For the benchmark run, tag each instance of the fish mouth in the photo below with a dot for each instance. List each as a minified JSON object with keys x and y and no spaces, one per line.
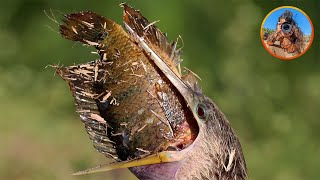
{"x":186,"y":131}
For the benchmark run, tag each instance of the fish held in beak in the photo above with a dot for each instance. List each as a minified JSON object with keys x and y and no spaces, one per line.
{"x":140,"y":110}
{"x":133,"y":106}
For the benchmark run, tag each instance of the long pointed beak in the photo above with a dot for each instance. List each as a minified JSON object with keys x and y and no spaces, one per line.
{"x":182,"y":87}
{"x":162,"y":157}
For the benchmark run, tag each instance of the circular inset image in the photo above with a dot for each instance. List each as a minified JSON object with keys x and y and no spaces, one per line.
{"x":286,"y":32}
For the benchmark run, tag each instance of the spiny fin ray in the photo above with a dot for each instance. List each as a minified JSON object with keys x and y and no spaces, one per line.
{"x":154,"y":37}
{"x":86,"y":27}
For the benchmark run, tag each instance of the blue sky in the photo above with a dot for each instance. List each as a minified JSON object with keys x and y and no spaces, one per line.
{"x":299,"y":17}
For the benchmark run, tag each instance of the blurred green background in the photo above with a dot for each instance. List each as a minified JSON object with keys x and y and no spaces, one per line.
{"x":273,"y":105}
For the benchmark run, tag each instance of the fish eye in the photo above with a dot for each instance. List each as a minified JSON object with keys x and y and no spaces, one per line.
{"x":201,"y":111}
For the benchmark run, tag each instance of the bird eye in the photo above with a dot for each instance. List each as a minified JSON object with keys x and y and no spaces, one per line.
{"x":201,"y":111}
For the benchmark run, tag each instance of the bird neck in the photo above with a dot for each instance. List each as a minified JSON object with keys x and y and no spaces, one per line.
{"x":200,"y":161}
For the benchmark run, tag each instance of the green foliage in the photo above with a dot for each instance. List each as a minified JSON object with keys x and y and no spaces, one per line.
{"x":273,"y":105}
{"x":267,"y":30}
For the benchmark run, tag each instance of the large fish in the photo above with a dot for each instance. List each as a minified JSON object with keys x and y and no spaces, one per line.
{"x":140,"y":110}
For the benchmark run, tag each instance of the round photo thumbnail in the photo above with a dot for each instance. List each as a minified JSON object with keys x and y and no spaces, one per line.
{"x":287,"y":32}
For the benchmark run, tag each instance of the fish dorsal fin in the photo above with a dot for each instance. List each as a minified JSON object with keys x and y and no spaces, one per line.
{"x":162,"y":157}
{"x":155,"y":39}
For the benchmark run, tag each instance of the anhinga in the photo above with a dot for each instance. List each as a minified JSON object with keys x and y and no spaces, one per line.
{"x":140,"y":110}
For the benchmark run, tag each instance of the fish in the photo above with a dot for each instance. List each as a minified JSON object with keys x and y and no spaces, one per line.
{"x":137,"y":107}
{"x":128,"y":106}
